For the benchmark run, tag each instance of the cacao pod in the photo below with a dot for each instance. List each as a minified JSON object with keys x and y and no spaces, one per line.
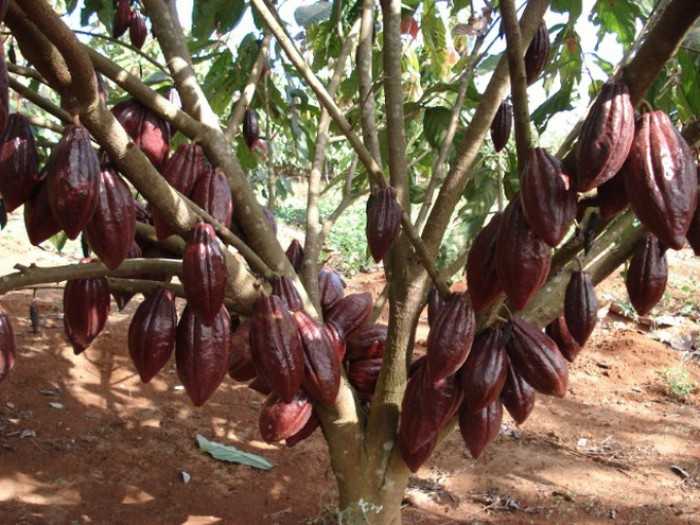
{"x":482,"y":279}
{"x":251,"y":130}
{"x":517,"y":396}
{"x":426,"y":408}
{"x":204,"y":273}
{"x":85,"y":310}
{"x":548,"y":200}
{"x":367,"y":342}
{"x":309,"y":428}
{"x":558,"y":331}
{"x":337,"y":342}
{"x":580,"y":307}
{"x":281,"y":420}
{"x":480,"y":428}
{"x":283,"y":287}
{"x":7,"y":346}
{"x":137,"y":30}
{"x":485,"y":371}
{"x":122,"y":17}
{"x":152,"y":333}
{"x":363,"y":375}
{"x":522,"y":258}
{"x":276,"y":347}
{"x":112,"y":228}
{"x":241,"y":367}
{"x":201,"y":353}
{"x":321,"y":364}
{"x":435,"y":305}
{"x":38,"y":218}
{"x":350,"y":313}
{"x":149,"y":132}
{"x":661,"y":179}
{"x":213,"y":194}
{"x":19,"y":173}
{"x":295,"y":254}
{"x":73,"y":181}
{"x":259,"y":384}
{"x":501,"y":126}
{"x":537,"y":54}
{"x":331,"y":288}
{"x":450,"y":338}
{"x":4,"y":90}
{"x":537,"y":359}
{"x":647,"y":274}
{"x":415,"y":459}
{"x":612,"y":197}
{"x":606,"y":136}
{"x":123,"y":298}
{"x":383,"y":221}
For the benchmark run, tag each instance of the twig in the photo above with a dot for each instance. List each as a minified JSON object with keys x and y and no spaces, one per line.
{"x":40,"y":101}
{"x":126,"y":45}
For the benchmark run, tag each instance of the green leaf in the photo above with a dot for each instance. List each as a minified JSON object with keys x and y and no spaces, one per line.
{"x":59,"y":241}
{"x":103,"y":10}
{"x":689,"y":80}
{"x":616,"y":16}
{"x":435,"y":123}
{"x":232,"y":454}
{"x":573,"y":7}
{"x":219,"y":15}
{"x":218,"y":83}
{"x":560,"y":101}
{"x":434,"y":37}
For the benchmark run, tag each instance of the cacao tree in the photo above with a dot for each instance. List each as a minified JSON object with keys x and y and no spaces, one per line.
{"x":156,"y":144}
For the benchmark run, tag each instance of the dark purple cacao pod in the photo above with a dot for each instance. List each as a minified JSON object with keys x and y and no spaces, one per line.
{"x":647,"y":274}
{"x":309,"y":428}
{"x":73,"y":181}
{"x":661,"y":179}
{"x":321,"y":364}
{"x":149,"y":132}
{"x":350,"y":313}
{"x":363,"y":375}
{"x":517,"y":396}
{"x":213,"y":194}
{"x":537,"y":359}
{"x":606,"y":136}
{"x":122,"y":18}
{"x":85,"y":310}
{"x":522,"y":258}
{"x":19,"y":172}
{"x":137,"y":30}
{"x":259,"y":384}
{"x":152,"y":333}
{"x":283,"y":287}
{"x":548,"y":200}
{"x":204,"y":274}
{"x":337,"y":342}
{"x":559,"y":333}
{"x":201,"y":353}
{"x":485,"y":371}
{"x":276,"y":347}
{"x":241,"y":367}
{"x":7,"y":346}
{"x":482,"y":279}
{"x":383,"y":221}
{"x":612,"y":197}
{"x":295,"y":254}
{"x":435,"y":304}
{"x":251,"y":130}
{"x":367,"y":342}
{"x":450,"y":338}
{"x":537,"y":54}
{"x":331,"y":288}
{"x":112,"y":228}
{"x":580,"y":306}
{"x":501,"y":126}
{"x":38,"y":218}
{"x":281,"y":420}
{"x":415,"y":459}
{"x":480,"y":428}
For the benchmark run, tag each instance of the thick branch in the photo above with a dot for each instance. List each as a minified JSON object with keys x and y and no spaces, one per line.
{"x":143,"y":286}
{"x":364,"y":74}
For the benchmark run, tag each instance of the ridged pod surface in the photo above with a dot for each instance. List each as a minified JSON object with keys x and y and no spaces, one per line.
{"x":482,"y":279}
{"x":383,"y":221}
{"x":480,"y":428}
{"x":647,"y":274}
{"x":661,"y":179}
{"x":435,"y":304}
{"x":522,"y":258}
{"x":295,"y":254}
{"x":501,"y":126}
{"x":426,"y":409}
{"x":204,"y":274}
{"x":450,"y":338}
{"x":123,"y":298}
{"x":212,"y":193}
{"x":201,"y":353}
{"x":548,"y":199}
{"x":517,"y":396}
{"x":606,"y":136}
{"x":331,"y":288}
{"x":337,"y":342}
{"x":283,"y":287}
{"x":276,"y":347}
{"x":241,"y":367}
{"x":309,"y":428}
{"x":367,"y":342}
{"x":19,"y":171}
{"x":85,"y":310}
{"x":112,"y":227}
{"x":137,"y":30}
{"x":152,"y":333}
{"x":537,"y":359}
{"x":38,"y":217}
{"x":580,"y":306}
{"x":149,"y":132}
{"x":73,"y":177}
{"x":321,"y":364}
{"x":612,"y":196}
{"x":281,"y":420}
{"x":122,"y":17}
{"x":363,"y":375}
{"x":251,"y":129}
{"x":350,"y":313}
{"x":7,"y":345}
{"x":537,"y":54}
{"x":558,"y":331}
{"x":485,"y":371}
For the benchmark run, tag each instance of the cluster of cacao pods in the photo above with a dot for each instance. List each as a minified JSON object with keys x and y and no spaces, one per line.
{"x":126,"y":17}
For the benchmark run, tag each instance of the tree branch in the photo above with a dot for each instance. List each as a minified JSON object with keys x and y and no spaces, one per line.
{"x":364,"y":74}
{"x":39,"y":101}
{"x":128,"y":46}
{"x":143,"y":286}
